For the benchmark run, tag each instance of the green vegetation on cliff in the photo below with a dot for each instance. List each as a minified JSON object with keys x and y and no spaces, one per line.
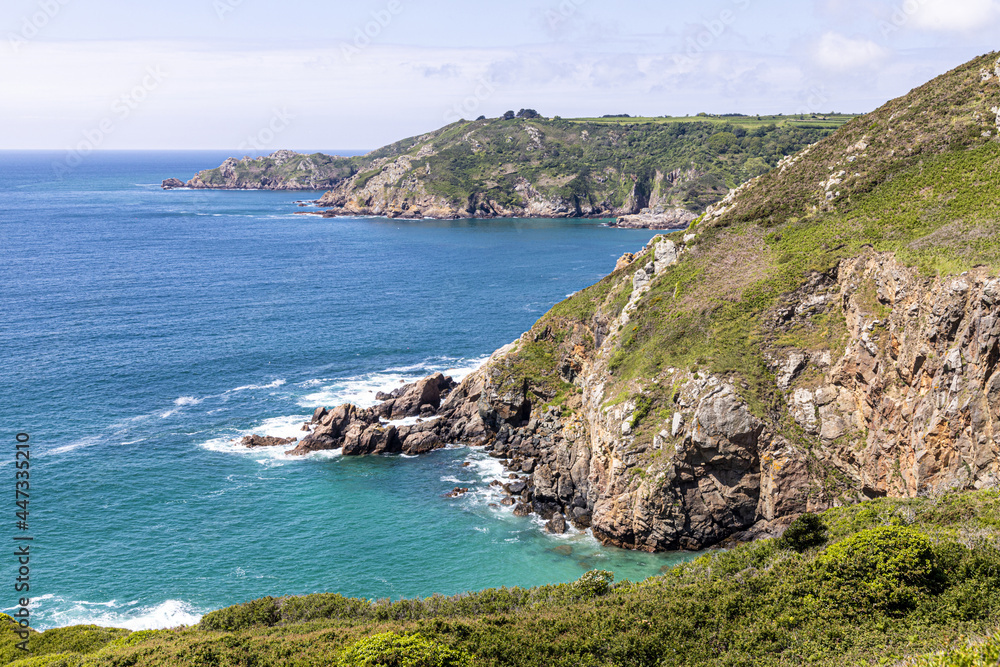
{"x":916,"y":177}
{"x":537,"y":166}
{"x":884,"y":580}
{"x":597,"y":162}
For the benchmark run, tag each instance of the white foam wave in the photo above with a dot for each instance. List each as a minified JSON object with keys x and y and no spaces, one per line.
{"x":248,"y":387}
{"x":77,"y":444}
{"x":361,"y":390}
{"x":410,"y":421}
{"x":131,"y":615}
{"x":179,"y":404}
{"x":277,"y":427}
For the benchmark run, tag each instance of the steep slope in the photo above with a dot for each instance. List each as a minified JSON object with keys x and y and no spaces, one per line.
{"x":828,"y":333}
{"x":818,"y":338}
{"x":533,"y":167}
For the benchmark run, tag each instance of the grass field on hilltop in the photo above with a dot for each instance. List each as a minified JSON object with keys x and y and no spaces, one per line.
{"x":812,"y":121}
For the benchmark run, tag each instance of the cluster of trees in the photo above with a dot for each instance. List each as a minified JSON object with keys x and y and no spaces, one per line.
{"x":523,"y":113}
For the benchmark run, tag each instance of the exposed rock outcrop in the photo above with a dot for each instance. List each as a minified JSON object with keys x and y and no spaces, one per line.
{"x":907,"y":406}
{"x":256,"y":441}
{"x":675,"y":218}
{"x":282,"y":170}
{"x":445,"y":413}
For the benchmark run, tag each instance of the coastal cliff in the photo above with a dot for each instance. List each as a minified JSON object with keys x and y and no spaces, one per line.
{"x":282,"y":170}
{"x":657,"y":173}
{"x":827,"y":333}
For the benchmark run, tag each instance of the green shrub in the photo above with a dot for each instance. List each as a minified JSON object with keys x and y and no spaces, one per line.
{"x":239,"y":617}
{"x":885,"y":568}
{"x":55,"y":660}
{"x":594,"y":583}
{"x":74,"y":639}
{"x":806,"y":531}
{"x":986,"y":654}
{"x":389,"y":649}
{"x":137,"y":637}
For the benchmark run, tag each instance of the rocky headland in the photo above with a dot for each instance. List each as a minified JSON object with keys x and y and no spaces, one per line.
{"x":282,"y":170}
{"x":655,"y":175}
{"x":815,"y":339}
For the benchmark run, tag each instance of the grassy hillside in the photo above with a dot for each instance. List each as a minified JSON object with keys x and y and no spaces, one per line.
{"x":597,"y":160}
{"x":825,"y":121}
{"x":869,"y":584}
{"x":917,"y":177}
{"x":478,"y":167}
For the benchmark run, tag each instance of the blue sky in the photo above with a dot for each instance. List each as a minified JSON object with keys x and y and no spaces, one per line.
{"x":261,"y":75}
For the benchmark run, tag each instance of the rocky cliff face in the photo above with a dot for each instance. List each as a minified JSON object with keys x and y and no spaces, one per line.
{"x":907,"y":405}
{"x":394,"y":188}
{"x":769,"y":362}
{"x":532,"y":167}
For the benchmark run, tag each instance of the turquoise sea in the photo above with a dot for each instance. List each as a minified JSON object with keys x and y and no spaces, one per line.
{"x":143,"y":330}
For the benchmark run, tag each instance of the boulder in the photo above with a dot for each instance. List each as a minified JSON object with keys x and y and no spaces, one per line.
{"x":625,"y":260}
{"x":556,"y":525}
{"x":522,"y":509}
{"x":420,"y":398}
{"x":369,"y":440}
{"x":580,"y":516}
{"x":666,"y":254}
{"x":171,"y":183}
{"x":421,"y":442}
{"x":515,"y":488}
{"x":255,"y":441}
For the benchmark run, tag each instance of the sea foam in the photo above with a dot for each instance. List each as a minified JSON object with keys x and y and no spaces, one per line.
{"x":60,"y":612}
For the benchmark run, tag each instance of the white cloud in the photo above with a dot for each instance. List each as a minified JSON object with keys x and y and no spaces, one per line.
{"x":58,"y":94}
{"x":840,"y":53}
{"x":952,"y":15}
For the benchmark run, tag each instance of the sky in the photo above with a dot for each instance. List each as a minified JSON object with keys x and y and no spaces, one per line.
{"x":261,"y":75}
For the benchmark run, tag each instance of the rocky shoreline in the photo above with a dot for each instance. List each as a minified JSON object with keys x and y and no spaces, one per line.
{"x":659,"y":219}
{"x":712,"y":470}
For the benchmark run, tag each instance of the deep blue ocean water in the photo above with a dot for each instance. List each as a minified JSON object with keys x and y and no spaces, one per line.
{"x":143,"y":330}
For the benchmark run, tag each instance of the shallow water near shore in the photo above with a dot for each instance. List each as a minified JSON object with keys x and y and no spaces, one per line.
{"x":147,"y":329}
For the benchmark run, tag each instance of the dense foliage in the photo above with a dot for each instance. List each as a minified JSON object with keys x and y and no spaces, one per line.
{"x":757,"y":604}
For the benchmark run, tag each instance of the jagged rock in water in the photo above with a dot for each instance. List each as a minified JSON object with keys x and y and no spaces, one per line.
{"x":255,"y":441}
